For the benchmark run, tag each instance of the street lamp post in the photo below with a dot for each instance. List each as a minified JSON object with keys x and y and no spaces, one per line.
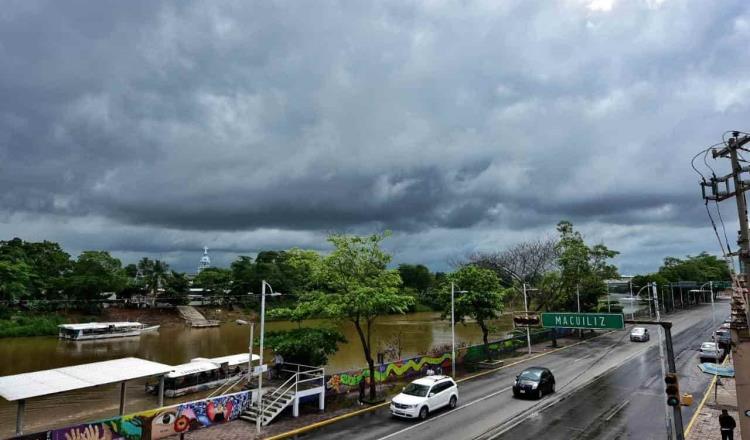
{"x":260,"y":353}
{"x":578,"y":300}
{"x":648,"y":285}
{"x":713,"y":311}
{"x":453,"y":328}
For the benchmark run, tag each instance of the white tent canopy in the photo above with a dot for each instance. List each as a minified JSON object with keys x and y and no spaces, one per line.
{"x":19,"y":387}
{"x":58,"y":380}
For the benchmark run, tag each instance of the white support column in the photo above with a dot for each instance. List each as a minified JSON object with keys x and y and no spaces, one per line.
{"x":122,"y":397}
{"x":322,"y":401}
{"x":19,"y":416}
{"x":161,"y":390}
{"x":295,"y":408}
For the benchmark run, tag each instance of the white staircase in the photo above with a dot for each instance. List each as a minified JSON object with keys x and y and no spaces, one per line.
{"x":305,"y":381}
{"x":272,"y":407}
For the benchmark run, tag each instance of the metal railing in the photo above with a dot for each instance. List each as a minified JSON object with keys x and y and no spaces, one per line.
{"x":310,"y":373}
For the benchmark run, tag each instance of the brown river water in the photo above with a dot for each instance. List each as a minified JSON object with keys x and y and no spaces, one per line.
{"x":174,"y":344}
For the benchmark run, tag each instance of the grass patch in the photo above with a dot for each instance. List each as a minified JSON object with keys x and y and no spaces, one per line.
{"x":43,"y":325}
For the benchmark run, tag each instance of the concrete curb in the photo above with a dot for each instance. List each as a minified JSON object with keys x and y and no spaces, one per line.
{"x":703,"y":402}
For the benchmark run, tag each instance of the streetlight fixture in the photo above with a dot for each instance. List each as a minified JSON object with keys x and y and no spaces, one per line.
{"x":260,"y":353}
{"x":453,"y":328}
{"x":713,"y":312}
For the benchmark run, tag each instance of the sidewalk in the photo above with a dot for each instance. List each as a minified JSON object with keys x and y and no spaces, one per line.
{"x":706,"y":423}
{"x":344,"y":405}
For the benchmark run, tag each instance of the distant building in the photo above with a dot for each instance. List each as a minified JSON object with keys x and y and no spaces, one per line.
{"x":205,"y":262}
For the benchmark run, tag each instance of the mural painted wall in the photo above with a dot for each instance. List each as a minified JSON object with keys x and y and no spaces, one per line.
{"x":417,"y":366}
{"x":156,"y":423}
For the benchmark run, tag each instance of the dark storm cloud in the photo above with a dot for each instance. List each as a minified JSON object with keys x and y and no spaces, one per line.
{"x":165,"y":126}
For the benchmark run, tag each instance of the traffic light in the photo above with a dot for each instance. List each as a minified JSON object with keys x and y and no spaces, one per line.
{"x":529,"y":320}
{"x":672,"y":389}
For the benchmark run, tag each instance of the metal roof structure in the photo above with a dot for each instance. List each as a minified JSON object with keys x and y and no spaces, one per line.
{"x":58,"y":380}
{"x":234,"y":359}
{"x":104,"y":325}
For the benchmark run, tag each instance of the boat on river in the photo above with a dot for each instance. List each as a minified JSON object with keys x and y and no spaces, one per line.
{"x":202,"y":374}
{"x":103,"y":330}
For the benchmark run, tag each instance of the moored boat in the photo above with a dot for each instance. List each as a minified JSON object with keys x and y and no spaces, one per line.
{"x":103,"y":330}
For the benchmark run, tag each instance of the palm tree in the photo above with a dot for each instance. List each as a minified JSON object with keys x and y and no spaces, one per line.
{"x":154,"y":272}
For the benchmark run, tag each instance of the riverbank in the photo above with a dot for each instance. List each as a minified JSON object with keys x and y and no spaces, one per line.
{"x":32,"y":325}
{"x":20,"y":323}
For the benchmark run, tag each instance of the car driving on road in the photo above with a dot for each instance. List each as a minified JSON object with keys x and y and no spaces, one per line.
{"x":711,"y":351}
{"x":425,"y":395}
{"x":639,"y":334}
{"x":534,"y":382}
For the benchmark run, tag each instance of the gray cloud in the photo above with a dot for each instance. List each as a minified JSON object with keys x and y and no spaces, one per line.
{"x":166,"y":126}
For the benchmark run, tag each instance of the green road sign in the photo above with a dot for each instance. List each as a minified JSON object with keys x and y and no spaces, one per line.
{"x":583,"y":320}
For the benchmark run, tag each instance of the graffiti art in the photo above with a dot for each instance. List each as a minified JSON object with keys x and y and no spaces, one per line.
{"x":157,"y":423}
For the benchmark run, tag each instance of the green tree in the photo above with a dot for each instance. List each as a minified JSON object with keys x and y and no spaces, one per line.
{"x":353,"y":283}
{"x":154,"y":273}
{"x":243,"y":276}
{"x":177,"y":288}
{"x":479,"y":297}
{"x":415,"y":276}
{"x":216,"y":281}
{"x":94,"y":273}
{"x":306,"y":346}
{"x":700,"y":268}
{"x":15,"y":278}
{"x":47,"y":264}
{"x":581,"y":272}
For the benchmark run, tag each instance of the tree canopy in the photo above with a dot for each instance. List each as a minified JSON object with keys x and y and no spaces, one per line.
{"x":353,"y":283}
{"x":478,"y":296}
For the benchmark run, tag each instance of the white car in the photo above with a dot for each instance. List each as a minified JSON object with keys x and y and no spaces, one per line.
{"x":639,"y":334}
{"x":425,"y":395}
{"x":711,"y":351}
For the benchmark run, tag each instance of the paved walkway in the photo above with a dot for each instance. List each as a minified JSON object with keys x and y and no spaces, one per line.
{"x":706,"y":424}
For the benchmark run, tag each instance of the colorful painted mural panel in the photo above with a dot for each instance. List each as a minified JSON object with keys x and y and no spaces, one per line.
{"x":156,"y":423}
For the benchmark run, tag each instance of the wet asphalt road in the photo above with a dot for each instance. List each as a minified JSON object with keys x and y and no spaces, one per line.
{"x":628,"y":403}
{"x":594,"y":380}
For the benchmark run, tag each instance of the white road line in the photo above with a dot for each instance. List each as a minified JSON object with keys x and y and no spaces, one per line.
{"x":466,"y":405}
{"x":616,"y":410}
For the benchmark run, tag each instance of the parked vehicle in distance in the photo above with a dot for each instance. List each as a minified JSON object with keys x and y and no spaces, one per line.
{"x":639,"y":334}
{"x":425,"y":395}
{"x":534,"y":382}
{"x":711,"y":351}
{"x":723,"y":338}
{"x":726,"y":325}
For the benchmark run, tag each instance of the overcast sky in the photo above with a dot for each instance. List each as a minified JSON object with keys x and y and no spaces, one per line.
{"x":155,"y":128}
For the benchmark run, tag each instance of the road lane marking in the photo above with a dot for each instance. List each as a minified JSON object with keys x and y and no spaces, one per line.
{"x":466,"y":405}
{"x":332,"y":420}
{"x":616,"y":410}
{"x":322,"y":423}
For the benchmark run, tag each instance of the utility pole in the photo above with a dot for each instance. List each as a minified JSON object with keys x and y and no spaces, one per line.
{"x":718,"y":189}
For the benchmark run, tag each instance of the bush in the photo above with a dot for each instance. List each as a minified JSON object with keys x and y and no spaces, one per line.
{"x":30,"y":326}
{"x":306,"y":346}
